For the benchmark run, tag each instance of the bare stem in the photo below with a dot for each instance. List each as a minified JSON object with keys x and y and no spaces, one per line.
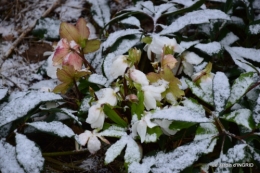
{"x":85,"y":62}
{"x":64,"y":153}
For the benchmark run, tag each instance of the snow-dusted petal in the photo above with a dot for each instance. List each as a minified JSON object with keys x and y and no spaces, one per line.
{"x":28,"y":155}
{"x":54,"y":127}
{"x":99,"y":122}
{"x":149,"y":101}
{"x":141,"y":129}
{"x":138,"y":77}
{"x":83,"y":138}
{"x":119,"y":66}
{"x":93,"y":114}
{"x":108,"y":95}
{"x":93,"y":144}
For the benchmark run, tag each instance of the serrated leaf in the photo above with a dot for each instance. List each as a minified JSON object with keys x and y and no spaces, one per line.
{"x":3,"y":93}
{"x":114,"y":131}
{"x":70,"y":112}
{"x":91,"y":46}
{"x":195,"y":17}
{"x":20,"y":107}
{"x":204,"y":94}
{"x":28,"y":155}
{"x":114,"y":116}
{"x":241,"y":117}
{"x":114,"y":150}
{"x":54,"y":127}
{"x":221,"y":90}
{"x":8,"y":161}
{"x":170,"y":161}
{"x":206,"y":131}
{"x":100,"y":12}
{"x":240,"y":87}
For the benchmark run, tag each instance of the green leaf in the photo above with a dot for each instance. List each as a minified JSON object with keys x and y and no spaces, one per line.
{"x":241,"y":117}
{"x":240,"y":87}
{"x":114,"y":116}
{"x":178,"y":125}
{"x":206,"y":131}
{"x":147,"y":40}
{"x":152,"y":134}
{"x":91,"y":46}
{"x":138,"y":108}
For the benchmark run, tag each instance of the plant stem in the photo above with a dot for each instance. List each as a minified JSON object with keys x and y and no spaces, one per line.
{"x":77,"y":90}
{"x":64,"y":153}
{"x":85,"y":62}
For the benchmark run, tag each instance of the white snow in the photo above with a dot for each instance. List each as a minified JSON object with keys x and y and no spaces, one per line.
{"x":97,"y":79}
{"x":133,"y":152}
{"x":254,"y":29}
{"x":221,"y":90}
{"x":28,"y":155}
{"x":3,"y":93}
{"x":187,"y":3}
{"x":229,"y":39}
{"x":19,"y":107}
{"x":207,"y":131}
{"x":51,"y":27}
{"x":113,"y":131}
{"x":54,"y":127}
{"x":256,"y":112}
{"x":241,"y":117}
{"x":249,"y":53}
{"x":131,"y":21}
{"x":209,"y":48}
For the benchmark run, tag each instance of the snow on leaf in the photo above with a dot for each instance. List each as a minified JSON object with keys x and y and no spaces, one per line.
{"x":112,"y":38}
{"x":133,"y":152}
{"x":195,"y":17}
{"x":187,"y":45}
{"x":19,"y":107}
{"x":229,"y":39}
{"x":204,"y":93}
{"x":256,"y":112}
{"x":28,"y":155}
{"x":97,"y":79}
{"x":124,"y":46}
{"x":115,"y":149}
{"x":174,"y":161}
{"x":95,"y":59}
{"x":131,"y":21}
{"x":221,"y":90}
{"x":241,"y":117}
{"x":85,"y":104}
{"x":8,"y":161}
{"x":206,"y":131}
{"x":209,"y":48}
{"x":240,"y":87}
{"x":187,"y":114}
{"x":187,"y":3}
{"x":254,"y":29}
{"x":113,"y":131}
{"x":248,"y":53}
{"x":100,"y":11}
{"x":192,"y":104}
{"x":70,"y":112}
{"x":54,"y":127}
{"x":3,"y":93}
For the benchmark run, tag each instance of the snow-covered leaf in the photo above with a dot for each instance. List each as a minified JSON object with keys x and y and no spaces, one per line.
{"x":19,"y":107}
{"x":186,"y":3}
{"x":241,"y":117}
{"x":204,"y":93}
{"x":229,"y":39}
{"x":28,"y":154}
{"x":131,"y":21}
{"x":84,"y":107}
{"x":54,"y":127}
{"x":254,"y":29}
{"x":8,"y":161}
{"x":256,"y":112}
{"x":100,"y":11}
{"x":112,"y":38}
{"x":133,"y":152}
{"x":174,"y":161}
{"x":221,"y":90}
{"x":47,"y":28}
{"x":240,"y":87}
{"x":97,"y":79}
{"x":70,"y":112}
{"x":248,"y":53}
{"x":187,"y":114}
{"x":195,"y":17}
{"x":114,"y":131}
{"x":206,"y":131}
{"x":3,"y":93}
{"x":114,"y":150}
{"x":209,"y":48}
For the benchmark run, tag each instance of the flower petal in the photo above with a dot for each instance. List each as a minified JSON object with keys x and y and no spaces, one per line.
{"x":100,"y":121}
{"x":74,"y":60}
{"x":93,"y":113}
{"x":119,"y":66}
{"x":149,"y":101}
{"x":93,"y":144}
{"x":141,"y":129}
{"x":83,"y":137}
{"x":69,"y":32}
{"x":188,"y":68}
{"x":108,"y":96}
{"x":59,"y":55}
{"x":138,"y":77}
{"x":147,"y":119}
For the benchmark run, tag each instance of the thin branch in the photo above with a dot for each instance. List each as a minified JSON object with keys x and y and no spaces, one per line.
{"x":64,"y":153}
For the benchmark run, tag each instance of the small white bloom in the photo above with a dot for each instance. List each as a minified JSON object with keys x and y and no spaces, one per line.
{"x":108,"y":95}
{"x":96,"y":116}
{"x":51,"y":69}
{"x":164,"y":124}
{"x":92,"y":139}
{"x":119,"y":66}
{"x":190,"y":59}
{"x":138,"y":77}
{"x":140,"y":127}
{"x":157,"y":45}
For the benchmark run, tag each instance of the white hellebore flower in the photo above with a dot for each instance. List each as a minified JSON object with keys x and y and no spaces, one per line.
{"x":96,"y":116}
{"x":107,"y":95}
{"x":119,"y":66}
{"x":92,"y":139}
{"x":140,"y":127}
{"x":152,"y":93}
{"x":190,"y":59}
{"x":138,"y":77}
{"x":51,"y":69}
{"x":157,"y":45}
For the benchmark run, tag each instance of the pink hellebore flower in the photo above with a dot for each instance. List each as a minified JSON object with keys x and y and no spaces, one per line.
{"x":92,"y":139}
{"x":66,"y":53}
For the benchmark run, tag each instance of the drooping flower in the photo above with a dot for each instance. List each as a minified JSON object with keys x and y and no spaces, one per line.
{"x":157,"y":45}
{"x":92,"y":139}
{"x":119,"y":66}
{"x":190,"y":59}
{"x":140,"y":127}
{"x":108,"y":95}
{"x":138,"y":77}
{"x":96,"y":116}
{"x":67,"y":53}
